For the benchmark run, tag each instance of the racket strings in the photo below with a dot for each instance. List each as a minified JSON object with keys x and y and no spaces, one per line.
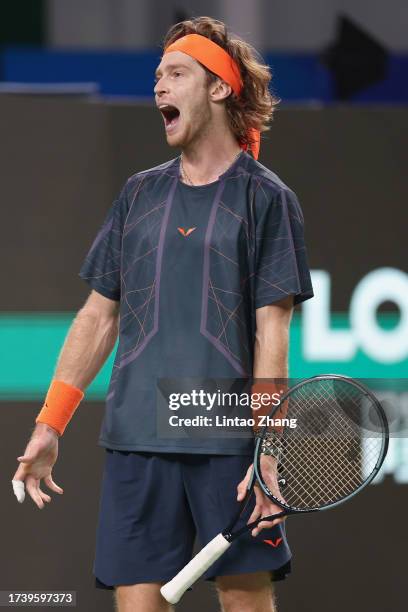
{"x":316,"y":485}
{"x":334,"y":447}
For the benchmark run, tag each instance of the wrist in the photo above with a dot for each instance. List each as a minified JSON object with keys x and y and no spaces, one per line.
{"x":269,"y":466}
{"x":271,"y":444}
{"x":45,"y":428}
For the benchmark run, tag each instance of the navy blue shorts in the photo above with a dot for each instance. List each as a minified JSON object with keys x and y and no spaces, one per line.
{"x":153,"y":505}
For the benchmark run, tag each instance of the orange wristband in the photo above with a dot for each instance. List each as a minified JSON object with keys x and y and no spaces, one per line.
{"x":60,"y":404}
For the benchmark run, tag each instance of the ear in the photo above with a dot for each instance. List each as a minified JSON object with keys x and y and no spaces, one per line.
{"x":219,"y":90}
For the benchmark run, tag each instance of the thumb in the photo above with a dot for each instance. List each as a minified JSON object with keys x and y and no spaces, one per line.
{"x":30,"y":455}
{"x":27,"y":458}
{"x":242,"y":489}
{"x":243,"y":485}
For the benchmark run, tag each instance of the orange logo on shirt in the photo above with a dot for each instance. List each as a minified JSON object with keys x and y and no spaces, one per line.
{"x":184,"y":232}
{"x":275,"y":543}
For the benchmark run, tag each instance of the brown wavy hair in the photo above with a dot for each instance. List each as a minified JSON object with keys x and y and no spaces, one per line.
{"x":255,"y":105}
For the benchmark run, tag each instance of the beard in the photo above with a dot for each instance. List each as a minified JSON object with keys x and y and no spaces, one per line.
{"x":195,"y":125}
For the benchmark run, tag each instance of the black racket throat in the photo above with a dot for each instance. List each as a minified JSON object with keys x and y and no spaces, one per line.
{"x":230,"y":535}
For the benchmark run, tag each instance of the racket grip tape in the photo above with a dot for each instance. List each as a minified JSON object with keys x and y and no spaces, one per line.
{"x":173,"y":591}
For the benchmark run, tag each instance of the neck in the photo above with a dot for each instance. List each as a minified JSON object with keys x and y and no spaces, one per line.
{"x":206,"y":160}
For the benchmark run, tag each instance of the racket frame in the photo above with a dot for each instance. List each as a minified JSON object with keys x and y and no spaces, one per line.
{"x":257,"y":474}
{"x":174,"y":590}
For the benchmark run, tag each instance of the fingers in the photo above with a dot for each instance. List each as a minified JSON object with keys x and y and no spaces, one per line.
{"x":257,"y":511}
{"x":18,"y":484}
{"x":32,"y":485}
{"x":264,"y":509}
{"x":33,"y":489}
{"x":256,"y":514}
{"x":20,"y":473}
{"x":243,"y":485}
{"x":44,"y":496}
{"x":267,"y":524}
{"x":241,"y":490}
{"x":37,"y":495}
{"x":52,"y":485}
{"x":34,"y":465}
{"x":19,"y":490}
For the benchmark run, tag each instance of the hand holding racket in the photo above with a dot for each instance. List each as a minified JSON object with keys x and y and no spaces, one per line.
{"x":336,"y":449}
{"x":263,"y":505}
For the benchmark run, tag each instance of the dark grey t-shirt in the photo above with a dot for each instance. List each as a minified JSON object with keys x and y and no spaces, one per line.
{"x":190,"y":265}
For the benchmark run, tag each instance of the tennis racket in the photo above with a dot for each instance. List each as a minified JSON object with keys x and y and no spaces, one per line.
{"x":335,"y":450}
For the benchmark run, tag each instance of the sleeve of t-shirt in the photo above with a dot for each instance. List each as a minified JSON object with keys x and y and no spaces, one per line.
{"x":281,"y":259}
{"x":101,"y":267}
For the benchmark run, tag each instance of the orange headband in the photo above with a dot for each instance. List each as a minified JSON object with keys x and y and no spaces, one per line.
{"x":216,"y":59}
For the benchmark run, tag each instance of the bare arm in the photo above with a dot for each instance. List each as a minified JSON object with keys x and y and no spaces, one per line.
{"x":272,"y":339}
{"x":272,"y":346}
{"x":88,"y":344}
{"x":270,"y":361}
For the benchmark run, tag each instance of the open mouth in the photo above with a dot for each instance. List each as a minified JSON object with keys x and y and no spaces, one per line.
{"x":170,"y":114}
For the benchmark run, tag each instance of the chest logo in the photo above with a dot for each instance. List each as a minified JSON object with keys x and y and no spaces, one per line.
{"x":186,"y":232}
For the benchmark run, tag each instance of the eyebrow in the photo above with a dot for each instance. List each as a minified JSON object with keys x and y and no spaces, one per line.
{"x":170,"y":67}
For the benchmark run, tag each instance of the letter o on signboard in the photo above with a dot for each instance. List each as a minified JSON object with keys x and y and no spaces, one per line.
{"x":384,"y":284}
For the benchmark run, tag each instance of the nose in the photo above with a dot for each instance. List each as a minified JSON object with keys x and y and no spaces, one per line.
{"x":160,"y":88}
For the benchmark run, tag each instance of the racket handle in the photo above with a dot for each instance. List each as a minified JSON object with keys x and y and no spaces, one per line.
{"x":173,"y":591}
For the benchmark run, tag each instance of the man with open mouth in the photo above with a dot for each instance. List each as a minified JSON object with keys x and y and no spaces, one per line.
{"x":197,"y":267}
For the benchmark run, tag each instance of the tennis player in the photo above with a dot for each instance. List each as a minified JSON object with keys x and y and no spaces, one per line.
{"x":197,"y":268}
